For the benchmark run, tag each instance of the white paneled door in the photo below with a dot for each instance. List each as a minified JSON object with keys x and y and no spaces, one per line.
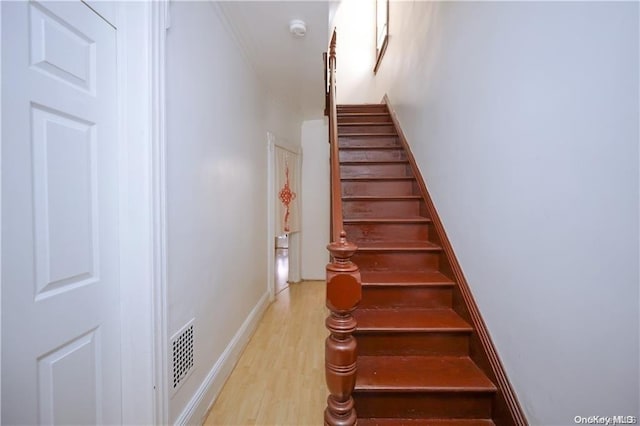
{"x":60,"y":250}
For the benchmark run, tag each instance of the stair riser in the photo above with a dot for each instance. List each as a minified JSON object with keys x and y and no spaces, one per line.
{"x":417,"y":405}
{"x":362,"y":108}
{"x":375,"y":170}
{"x":387,"y":232}
{"x":407,"y":344}
{"x":365,"y":118}
{"x":386,"y":208}
{"x":378,"y":188}
{"x":347,"y":129}
{"x":358,"y":142}
{"x":399,"y":261}
{"x":409,"y":297}
{"x":372,"y":155}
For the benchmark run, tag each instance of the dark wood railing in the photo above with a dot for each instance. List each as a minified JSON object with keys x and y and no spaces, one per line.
{"x":343,"y":280}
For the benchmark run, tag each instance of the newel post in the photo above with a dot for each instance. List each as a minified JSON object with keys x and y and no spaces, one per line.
{"x":343,"y":295}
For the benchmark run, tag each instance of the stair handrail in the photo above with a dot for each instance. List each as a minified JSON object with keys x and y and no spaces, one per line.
{"x":343,"y":280}
{"x":336,"y":190}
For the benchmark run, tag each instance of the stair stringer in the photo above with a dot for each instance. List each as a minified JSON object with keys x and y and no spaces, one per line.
{"x":506,"y":408}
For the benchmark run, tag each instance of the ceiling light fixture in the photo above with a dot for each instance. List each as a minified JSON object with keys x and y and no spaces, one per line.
{"x":298,"y":28}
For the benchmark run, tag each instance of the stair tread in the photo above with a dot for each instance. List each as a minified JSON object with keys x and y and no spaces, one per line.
{"x":357,"y":114}
{"x":402,"y":219}
{"x":367,"y":134}
{"x":380,"y":197}
{"x":371,"y":147}
{"x":365,"y":105}
{"x":367,"y":123}
{"x":375,"y":178}
{"x":420,"y":374}
{"x":398,"y":245}
{"x":423,"y":422}
{"x":371,"y":162}
{"x":410,"y":319}
{"x":404,"y":278}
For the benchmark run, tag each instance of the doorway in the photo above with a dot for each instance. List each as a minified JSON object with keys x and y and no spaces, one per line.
{"x":282,"y":263}
{"x":283,"y":219}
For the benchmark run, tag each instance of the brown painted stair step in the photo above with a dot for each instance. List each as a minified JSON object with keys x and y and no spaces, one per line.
{"x":358,"y":117}
{"x":367,"y":134}
{"x":366,"y":127}
{"x":404,"y":246}
{"x":381,"y":205}
{"x":361,"y":186}
{"x":387,"y":228}
{"x":420,"y":374}
{"x":422,"y":386}
{"x":368,"y":140}
{"x":411,"y":331}
{"x":375,"y":178}
{"x":362,"y":108}
{"x":425,"y":422}
{"x":374,"y":168}
{"x":369,"y":162}
{"x":409,"y":289}
{"x":410,"y":320}
{"x":397,"y":255}
{"x":386,"y":219}
{"x":381,"y":153}
{"x":405,"y":278}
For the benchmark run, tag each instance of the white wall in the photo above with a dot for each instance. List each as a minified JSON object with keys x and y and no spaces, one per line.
{"x":218,"y":116}
{"x":523,"y":118}
{"x":315,"y":213}
{"x":354,"y":22}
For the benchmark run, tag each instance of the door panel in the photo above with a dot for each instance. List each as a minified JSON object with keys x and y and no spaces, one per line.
{"x":60,"y":275}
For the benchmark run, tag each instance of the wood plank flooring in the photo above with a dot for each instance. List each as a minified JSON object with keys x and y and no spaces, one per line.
{"x":279,"y":379}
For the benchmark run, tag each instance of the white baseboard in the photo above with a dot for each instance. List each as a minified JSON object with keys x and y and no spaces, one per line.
{"x":198,"y":406}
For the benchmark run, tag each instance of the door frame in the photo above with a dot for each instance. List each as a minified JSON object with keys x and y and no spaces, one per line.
{"x":159,"y":25}
{"x":294,"y":243}
{"x":144,"y":325}
{"x":1,"y":144}
{"x":137,"y":208}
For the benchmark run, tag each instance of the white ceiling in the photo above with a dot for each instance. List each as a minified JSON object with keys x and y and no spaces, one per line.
{"x":291,"y":67}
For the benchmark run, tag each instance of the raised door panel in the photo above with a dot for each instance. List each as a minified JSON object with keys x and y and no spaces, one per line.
{"x":60,"y":189}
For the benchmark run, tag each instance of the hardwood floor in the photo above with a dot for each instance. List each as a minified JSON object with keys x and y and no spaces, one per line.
{"x":279,"y":379}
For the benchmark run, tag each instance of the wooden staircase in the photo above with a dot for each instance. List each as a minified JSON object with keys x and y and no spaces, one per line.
{"x":407,"y":344}
{"x":414,"y":365}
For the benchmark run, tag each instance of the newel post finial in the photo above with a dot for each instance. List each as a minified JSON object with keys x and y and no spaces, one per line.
{"x":343,"y":295}
{"x":332,"y":45}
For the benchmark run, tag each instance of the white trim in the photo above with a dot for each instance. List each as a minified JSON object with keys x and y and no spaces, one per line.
{"x":295,"y":246}
{"x":197,"y":408}
{"x":157,"y":38}
{"x":287,"y":149}
{"x":271,"y":213}
{"x":295,"y":237}
{"x":136,"y":248}
{"x":1,"y":286}
{"x":237,"y":36}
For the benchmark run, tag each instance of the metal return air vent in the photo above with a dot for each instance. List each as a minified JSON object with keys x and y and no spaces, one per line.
{"x":182,"y":351}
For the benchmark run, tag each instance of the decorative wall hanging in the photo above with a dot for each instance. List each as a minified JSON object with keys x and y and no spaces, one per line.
{"x":287,"y":191}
